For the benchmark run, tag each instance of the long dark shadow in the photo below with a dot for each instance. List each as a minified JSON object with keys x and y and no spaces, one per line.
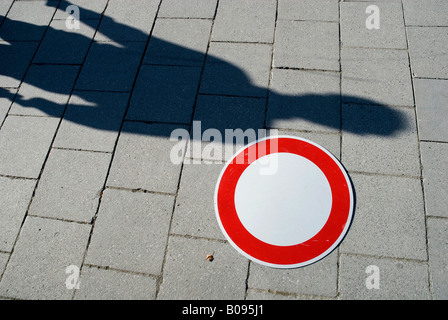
{"x":167,"y":92}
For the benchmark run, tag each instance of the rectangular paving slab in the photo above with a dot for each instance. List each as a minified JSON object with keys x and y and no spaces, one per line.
{"x":37,"y":268}
{"x":24,"y":144}
{"x":142,"y":250}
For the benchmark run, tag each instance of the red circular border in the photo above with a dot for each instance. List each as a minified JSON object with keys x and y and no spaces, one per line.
{"x":294,"y":254}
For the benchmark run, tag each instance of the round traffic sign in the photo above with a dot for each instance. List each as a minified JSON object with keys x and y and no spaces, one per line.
{"x":284,"y":201}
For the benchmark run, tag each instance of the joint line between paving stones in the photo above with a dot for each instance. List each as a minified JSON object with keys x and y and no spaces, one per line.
{"x":306,"y":69}
{"x":16,"y":177}
{"x":431,"y":78}
{"x":304,"y":131}
{"x":419,"y":154}
{"x":340,"y":134}
{"x":103,"y":91}
{"x":231,"y":95}
{"x":159,"y":283}
{"x":402,"y":259}
{"x":81,"y":150}
{"x":242,"y":42}
{"x":59,"y":219}
{"x":366,"y":173}
{"x":150,"y":275}
{"x":56,"y":64}
{"x":249,"y":263}
{"x":184,"y":18}
{"x":310,"y":20}
{"x":190,"y":236}
{"x":377,"y":104}
{"x":157,"y":122}
{"x":30,"y":115}
{"x":271,"y":69}
{"x":138,"y":190}
{"x":374,"y":48}
{"x":155,"y":64}
{"x":291,"y":294}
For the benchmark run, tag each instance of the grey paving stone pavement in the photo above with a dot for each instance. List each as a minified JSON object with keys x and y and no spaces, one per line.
{"x":58,"y":46}
{"x":391,"y":33}
{"x":435,"y":182}
{"x":307,"y":45}
{"x":92,"y":121}
{"x":113,"y":136}
{"x":39,"y":100}
{"x":24,"y":145}
{"x":70,"y":185}
{"x":431,"y":101}
{"x":148,"y":215}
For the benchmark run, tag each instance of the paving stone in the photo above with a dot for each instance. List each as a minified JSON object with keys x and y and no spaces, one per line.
{"x":92,"y":121}
{"x":307,"y":45}
{"x":188,"y":9}
{"x":193,"y":217}
{"x":304,"y":100}
{"x":179,"y":42}
{"x":331,"y":142}
{"x":425,"y":13}
{"x":66,"y":46}
{"x":391,"y":32}
{"x":434,"y":161}
{"x":6,"y":97}
{"x":16,"y":57}
{"x":164,"y":93}
{"x":431,"y":100}
{"x":142,"y":159}
{"x":438,"y":256}
{"x":4,"y":8}
{"x":321,"y":10}
{"x":16,"y":195}
{"x":3,"y":260}
{"x":319,"y":278}
{"x":87,"y":9}
{"x":381,"y":76}
{"x":237,"y":69}
{"x":188,"y":275}
{"x":398,"y":279}
{"x":142,"y":250}
{"x":27,"y":21}
{"x":245,"y":21}
{"x":388,"y":219}
{"x":255,"y":294}
{"x":105,"y":59}
{"x":70,"y":185}
{"x":127,"y":20}
{"x":44,"y":95}
{"x":101,"y":284}
{"x":379,"y":139}
{"x":428,"y":51}
{"x":45,"y":248}
{"x":24,"y":144}
{"x":230,"y":120}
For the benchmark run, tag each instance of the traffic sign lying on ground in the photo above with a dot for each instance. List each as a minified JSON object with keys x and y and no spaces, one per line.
{"x":284,"y":202}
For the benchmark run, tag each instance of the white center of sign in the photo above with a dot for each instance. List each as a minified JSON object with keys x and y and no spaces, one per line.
{"x":287,"y":207}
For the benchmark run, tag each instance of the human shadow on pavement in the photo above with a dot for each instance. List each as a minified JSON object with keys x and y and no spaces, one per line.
{"x":165,"y":90}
